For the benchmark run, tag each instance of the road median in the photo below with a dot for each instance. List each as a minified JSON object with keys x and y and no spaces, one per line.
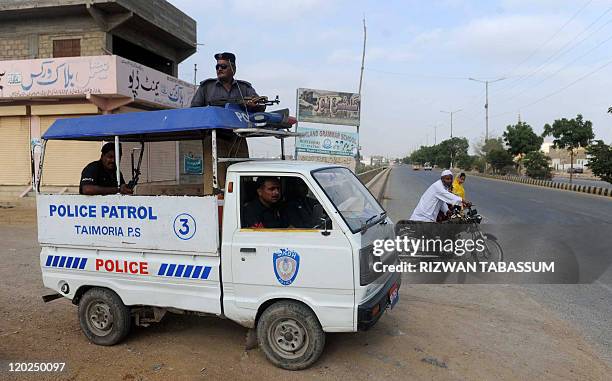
{"x":600,"y":191}
{"x":378,"y":183}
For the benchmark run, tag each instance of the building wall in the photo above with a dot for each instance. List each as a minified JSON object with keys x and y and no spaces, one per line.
{"x":33,"y":38}
{"x":16,"y":47}
{"x":93,"y":43}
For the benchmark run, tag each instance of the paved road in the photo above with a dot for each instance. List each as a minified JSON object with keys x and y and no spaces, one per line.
{"x":535,"y":222}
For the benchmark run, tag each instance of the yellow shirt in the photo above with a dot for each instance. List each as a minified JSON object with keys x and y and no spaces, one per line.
{"x":458,"y":188}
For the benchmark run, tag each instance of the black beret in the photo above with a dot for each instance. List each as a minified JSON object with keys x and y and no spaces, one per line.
{"x":226,"y":56}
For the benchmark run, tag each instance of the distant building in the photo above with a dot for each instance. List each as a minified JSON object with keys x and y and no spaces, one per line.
{"x":68,"y":58}
{"x":546,"y":147}
{"x":561,"y":160}
{"x":378,"y":160}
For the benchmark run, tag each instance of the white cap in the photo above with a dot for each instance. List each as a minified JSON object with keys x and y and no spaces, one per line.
{"x":446,"y":172}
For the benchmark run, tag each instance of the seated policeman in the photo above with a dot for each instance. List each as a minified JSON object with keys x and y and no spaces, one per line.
{"x":100,"y":177}
{"x":225,"y":87}
{"x":300,"y":209}
{"x":264,"y":211}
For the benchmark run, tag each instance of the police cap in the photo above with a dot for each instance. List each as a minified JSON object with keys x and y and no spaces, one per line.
{"x":226,"y":56}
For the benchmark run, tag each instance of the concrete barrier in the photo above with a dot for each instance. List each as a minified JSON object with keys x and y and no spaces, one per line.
{"x":365,"y":177}
{"x":378,"y":184}
{"x":590,"y":189}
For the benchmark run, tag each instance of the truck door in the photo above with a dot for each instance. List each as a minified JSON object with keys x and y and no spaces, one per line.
{"x":282,"y":249}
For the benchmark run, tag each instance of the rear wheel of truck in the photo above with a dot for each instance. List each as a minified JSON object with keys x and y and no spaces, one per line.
{"x":104,"y":318}
{"x":290,"y":335}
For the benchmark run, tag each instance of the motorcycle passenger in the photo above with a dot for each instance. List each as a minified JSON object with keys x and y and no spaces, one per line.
{"x":458,"y":185}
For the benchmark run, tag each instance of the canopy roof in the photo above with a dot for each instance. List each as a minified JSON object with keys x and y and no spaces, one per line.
{"x":177,"y":124}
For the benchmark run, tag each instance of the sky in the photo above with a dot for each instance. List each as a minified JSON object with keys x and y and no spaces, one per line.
{"x":555,"y":56}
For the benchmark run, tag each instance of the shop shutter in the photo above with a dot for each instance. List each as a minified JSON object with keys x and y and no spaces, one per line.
{"x":15,"y":167}
{"x":64,"y":160}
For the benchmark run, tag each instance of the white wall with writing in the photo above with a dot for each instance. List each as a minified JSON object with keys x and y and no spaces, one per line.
{"x":169,"y":223}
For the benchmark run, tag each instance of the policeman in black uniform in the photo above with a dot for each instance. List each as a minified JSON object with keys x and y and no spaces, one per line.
{"x":264,"y":211}
{"x":100,"y":177}
{"x":224,"y":88}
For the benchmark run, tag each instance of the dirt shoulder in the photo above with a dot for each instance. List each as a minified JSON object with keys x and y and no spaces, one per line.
{"x":443,"y":332}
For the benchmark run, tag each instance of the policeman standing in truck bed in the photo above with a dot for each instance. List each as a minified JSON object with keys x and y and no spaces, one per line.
{"x":225,"y":87}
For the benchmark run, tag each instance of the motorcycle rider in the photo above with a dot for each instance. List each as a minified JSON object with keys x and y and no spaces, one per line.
{"x":436,"y":198}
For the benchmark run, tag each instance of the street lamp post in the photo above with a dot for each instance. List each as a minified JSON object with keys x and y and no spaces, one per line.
{"x":451,"y":132}
{"x":435,"y":127}
{"x":486,"y":82}
{"x":451,"y":119}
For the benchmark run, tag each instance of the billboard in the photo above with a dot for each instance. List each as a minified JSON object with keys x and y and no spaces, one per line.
{"x":108,"y":76}
{"x":326,"y":142}
{"x":345,"y":161}
{"x":330,"y":107}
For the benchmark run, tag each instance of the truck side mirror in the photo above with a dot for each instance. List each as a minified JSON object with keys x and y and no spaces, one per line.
{"x":318,"y":211}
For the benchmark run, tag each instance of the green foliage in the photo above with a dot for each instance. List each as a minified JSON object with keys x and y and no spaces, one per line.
{"x":570,"y":134}
{"x":466,"y":162}
{"x":536,"y":165}
{"x":521,"y":139}
{"x":451,"y":149}
{"x":600,"y":161}
{"x":440,"y":154}
{"x":486,"y":146}
{"x":499,"y":159}
{"x":480,"y":163}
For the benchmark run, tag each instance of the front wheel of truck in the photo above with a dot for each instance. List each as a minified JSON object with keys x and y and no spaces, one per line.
{"x":104,"y":319}
{"x":290,"y":335}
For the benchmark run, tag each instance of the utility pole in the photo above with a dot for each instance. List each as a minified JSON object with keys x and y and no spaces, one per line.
{"x":486,"y":82}
{"x":360,"y":103}
{"x":435,"y":127}
{"x":451,"y":119}
{"x":451,"y":132}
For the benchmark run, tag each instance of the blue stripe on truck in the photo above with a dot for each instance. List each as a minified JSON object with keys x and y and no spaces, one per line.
{"x":59,"y":261}
{"x":184,"y":271}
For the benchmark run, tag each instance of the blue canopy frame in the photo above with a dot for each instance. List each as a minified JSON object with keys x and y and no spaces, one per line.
{"x":163,"y":125}
{"x":177,"y":124}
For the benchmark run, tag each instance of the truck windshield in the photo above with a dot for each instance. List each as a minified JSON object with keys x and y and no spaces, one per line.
{"x":352,"y":200}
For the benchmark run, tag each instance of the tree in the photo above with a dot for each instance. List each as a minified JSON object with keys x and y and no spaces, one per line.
{"x":600,"y":160}
{"x":466,"y":162}
{"x":521,"y":139}
{"x":536,"y":165}
{"x":480,"y":163}
{"x":450,"y":149}
{"x":485,"y":146}
{"x":570,"y":135}
{"x":499,"y":159}
{"x":423,"y":155}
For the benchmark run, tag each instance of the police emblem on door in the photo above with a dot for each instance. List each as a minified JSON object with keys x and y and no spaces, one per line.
{"x":286,"y":266}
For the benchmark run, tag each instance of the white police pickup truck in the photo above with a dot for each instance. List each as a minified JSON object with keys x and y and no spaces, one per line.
{"x":129,"y":259}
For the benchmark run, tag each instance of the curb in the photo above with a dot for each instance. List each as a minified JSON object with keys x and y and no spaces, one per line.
{"x":606,"y":192}
{"x":384,"y":175}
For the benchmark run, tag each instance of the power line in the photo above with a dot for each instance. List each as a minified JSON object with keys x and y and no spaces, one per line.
{"x":419,"y":76}
{"x":557,"y":91}
{"x":561,"y":69}
{"x":550,"y":38}
{"x":559,"y":52}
